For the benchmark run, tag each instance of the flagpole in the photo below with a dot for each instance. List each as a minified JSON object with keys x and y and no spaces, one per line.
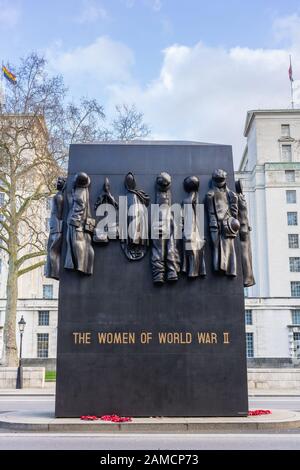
{"x":291,"y":82}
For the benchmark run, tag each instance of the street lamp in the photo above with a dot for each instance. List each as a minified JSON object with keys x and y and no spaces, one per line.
{"x":22,"y":324}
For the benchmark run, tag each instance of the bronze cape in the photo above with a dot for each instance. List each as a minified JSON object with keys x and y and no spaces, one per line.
{"x":80,"y":253}
{"x":55,"y":234}
{"x":245,"y":230}
{"x":222,"y":210}
{"x":165,"y":258}
{"x":135,"y":243}
{"x":193,"y":245}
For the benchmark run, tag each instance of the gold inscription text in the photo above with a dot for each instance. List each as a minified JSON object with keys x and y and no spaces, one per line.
{"x":82,"y":337}
{"x":174,"y":338}
{"x":207,"y":337}
{"x":116,"y":338}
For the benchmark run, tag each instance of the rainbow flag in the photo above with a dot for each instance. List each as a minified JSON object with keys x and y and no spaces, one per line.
{"x":9,"y":75}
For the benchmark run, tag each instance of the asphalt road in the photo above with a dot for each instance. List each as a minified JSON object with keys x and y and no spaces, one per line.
{"x":46,"y":403}
{"x":260,"y":441}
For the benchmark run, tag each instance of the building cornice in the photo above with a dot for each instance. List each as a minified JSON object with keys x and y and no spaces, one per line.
{"x":266,"y":112}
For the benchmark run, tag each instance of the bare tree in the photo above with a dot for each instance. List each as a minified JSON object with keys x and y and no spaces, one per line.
{"x":35,"y":131}
{"x":129,"y":124}
{"x":76,"y":123}
{"x":36,"y":128}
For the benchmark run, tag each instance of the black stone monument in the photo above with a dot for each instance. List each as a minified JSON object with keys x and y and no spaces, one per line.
{"x":179,"y":348}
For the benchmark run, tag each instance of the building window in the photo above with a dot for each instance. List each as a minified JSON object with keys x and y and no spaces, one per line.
{"x":295,"y":265}
{"x":44,"y":318}
{"x":249,"y":345}
{"x":42,"y":345}
{"x":2,"y":199}
{"x":248,"y":317}
{"x":47,"y":224}
{"x":47,"y":291}
{"x":293,"y":240}
{"x":285,"y":130}
{"x":286,"y":153}
{"x":49,"y":203}
{"x":296,"y":338}
{"x":291,"y":197}
{"x":295,"y":288}
{"x":290,"y":176}
{"x":296,"y":317}
{"x":292,"y":218}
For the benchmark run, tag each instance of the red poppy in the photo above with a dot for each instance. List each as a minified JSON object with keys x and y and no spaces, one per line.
{"x":111,"y":418}
{"x":89,"y":418}
{"x":115,"y":418}
{"x":259,"y":412}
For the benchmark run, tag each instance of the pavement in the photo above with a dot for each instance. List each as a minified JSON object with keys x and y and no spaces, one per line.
{"x":49,"y":390}
{"x":44,"y":421}
{"x":261,"y":392}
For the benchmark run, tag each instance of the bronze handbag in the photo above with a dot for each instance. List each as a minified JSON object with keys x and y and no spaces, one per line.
{"x":89,"y":225}
{"x":231,"y":227}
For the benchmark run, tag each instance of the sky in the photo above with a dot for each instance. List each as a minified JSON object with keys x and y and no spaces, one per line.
{"x":193,"y":67}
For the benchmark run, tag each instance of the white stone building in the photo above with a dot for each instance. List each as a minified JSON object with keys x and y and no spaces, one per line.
{"x":270,"y":171}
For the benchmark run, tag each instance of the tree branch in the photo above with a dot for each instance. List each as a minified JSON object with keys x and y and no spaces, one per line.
{"x":29,"y":256}
{"x":30,"y":268}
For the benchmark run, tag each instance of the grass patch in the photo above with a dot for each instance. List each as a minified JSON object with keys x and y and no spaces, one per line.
{"x":50,"y":375}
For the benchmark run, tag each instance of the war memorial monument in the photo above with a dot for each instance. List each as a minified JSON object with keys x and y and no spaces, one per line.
{"x":151,"y":244}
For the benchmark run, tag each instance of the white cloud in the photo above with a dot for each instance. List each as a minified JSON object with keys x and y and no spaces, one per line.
{"x":91,"y":12}
{"x":203,"y":93}
{"x":88,"y":69}
{"x":9,"y":14}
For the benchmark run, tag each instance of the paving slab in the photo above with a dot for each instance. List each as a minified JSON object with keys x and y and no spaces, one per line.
{"x":49,"y":390}
{"x":46,"y":422}
{"x":274,"y":392}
